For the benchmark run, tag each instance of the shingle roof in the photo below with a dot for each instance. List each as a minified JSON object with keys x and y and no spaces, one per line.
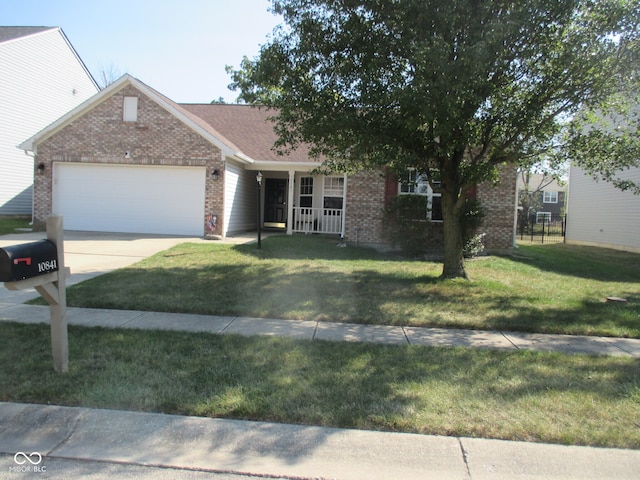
{"x":248,"y":128}
{"x":11,"y":33}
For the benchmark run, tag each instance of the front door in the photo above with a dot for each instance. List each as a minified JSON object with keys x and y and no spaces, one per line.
{"x":275,"y":203}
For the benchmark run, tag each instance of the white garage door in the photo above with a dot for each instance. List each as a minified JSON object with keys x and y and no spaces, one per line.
{"x":135,"y":199}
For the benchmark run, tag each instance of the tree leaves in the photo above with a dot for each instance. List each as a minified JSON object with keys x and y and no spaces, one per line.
{"x":460,"y":86}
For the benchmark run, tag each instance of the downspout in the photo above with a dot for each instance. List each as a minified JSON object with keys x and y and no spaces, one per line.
{"x":33,"y":189}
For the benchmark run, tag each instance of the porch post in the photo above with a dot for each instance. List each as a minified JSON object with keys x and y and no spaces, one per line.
{"x":292,"y":177}
{"x":344,"y":208}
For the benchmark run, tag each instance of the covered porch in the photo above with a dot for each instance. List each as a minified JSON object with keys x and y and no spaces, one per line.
{"x":300,"y":202}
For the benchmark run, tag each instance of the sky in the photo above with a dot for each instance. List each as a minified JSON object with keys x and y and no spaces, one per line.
{"x":178,"y":47}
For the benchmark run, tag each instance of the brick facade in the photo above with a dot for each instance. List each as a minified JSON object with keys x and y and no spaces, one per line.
{"x":499,"y":202}
{"x":364,"y":208}
{"x":102,"y":137}
{"x":367,"y":193}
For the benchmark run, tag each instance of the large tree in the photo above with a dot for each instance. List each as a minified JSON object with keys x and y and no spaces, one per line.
{"x":454,"y":88}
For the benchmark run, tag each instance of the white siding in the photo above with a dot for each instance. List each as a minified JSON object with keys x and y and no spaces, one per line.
{"x":602,"y":215}
{"x":41,"y":79}
{"x":240,"y":200}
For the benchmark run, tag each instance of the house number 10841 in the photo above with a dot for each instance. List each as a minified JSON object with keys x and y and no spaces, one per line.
{"x":47,"y":266}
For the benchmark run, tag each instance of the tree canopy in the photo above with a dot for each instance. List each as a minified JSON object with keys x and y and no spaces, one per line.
{"x":454,"y":88}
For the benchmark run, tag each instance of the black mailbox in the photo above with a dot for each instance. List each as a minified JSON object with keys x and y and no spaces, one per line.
{"x":18,"y":262}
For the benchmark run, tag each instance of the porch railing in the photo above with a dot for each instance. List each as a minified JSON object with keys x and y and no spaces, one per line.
{"x":317,"y":220}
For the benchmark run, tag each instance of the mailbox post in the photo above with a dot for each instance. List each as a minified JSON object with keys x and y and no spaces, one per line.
{"x":40,"y":265}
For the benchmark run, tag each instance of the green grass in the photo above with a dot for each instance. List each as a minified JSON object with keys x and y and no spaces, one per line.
{"x":532,"y":396}
{"x":548,"y":289}
{"x":9,"y":223}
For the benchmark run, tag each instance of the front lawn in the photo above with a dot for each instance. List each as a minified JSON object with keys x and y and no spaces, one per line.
{"x":530,"y":396}
{"x":549,"y":288}
{"x":10,"y":223}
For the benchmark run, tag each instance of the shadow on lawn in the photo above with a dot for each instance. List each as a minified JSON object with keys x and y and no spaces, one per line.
{"x":312,"y":247}
{"x":261,"y":290}
{"x":590,"y":317}
{"x":579,"y":261}
{"x":306,"y":292}
{"x":230,"y":281}
{"x":318,"y":383}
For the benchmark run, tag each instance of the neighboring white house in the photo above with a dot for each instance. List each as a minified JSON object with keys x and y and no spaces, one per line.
{"x":41,"y":78}
{"x":602,"y":215}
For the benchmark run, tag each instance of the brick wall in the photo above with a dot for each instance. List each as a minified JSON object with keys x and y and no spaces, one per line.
{"x":101,"y":136}
{"x":367,"y":193}
{"x":364,"y":208}
{"x":499,"y":202}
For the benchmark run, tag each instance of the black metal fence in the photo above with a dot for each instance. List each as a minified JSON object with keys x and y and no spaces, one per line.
{"x":542,"y":227}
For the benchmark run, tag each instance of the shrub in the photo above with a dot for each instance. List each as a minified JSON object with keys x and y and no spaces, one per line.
{"x":471,"y":221}
{"x":408,"y":227}
{"x":406,"y":223}
{"x":474,"y":246}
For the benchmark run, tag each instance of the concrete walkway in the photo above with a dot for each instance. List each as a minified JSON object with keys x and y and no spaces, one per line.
{"x":339,"y":332}
{"x":101,"y":438}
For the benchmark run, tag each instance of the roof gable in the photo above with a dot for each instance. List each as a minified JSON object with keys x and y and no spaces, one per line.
{"x":242,"y":132}
{"x":196,"y":124}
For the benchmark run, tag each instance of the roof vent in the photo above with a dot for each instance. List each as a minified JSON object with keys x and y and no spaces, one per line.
{"x":130,"y":109}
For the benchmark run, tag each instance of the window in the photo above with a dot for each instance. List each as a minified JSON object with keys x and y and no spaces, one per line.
{"x":333,"y":192}
{"x":130,"y":109}
{"x":306,"y":192}
{"x":543,"y":217}
{"x":550,"y":197}
{"x":417,"y":184}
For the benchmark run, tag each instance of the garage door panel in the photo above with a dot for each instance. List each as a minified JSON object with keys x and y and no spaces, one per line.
{"x":118,"y":198}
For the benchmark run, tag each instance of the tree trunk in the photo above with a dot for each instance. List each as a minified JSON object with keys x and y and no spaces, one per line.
{"x":452,"y":213}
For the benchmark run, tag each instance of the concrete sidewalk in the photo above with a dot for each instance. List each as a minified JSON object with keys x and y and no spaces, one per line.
{"x":314,"y":330}
{"x":105,"y":437}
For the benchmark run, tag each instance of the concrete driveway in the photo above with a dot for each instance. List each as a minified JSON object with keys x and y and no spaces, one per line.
{"x":90,"y":254}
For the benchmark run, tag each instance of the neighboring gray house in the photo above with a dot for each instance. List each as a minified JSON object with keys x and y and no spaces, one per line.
{"x":41,"y":78}
{"x":542,"y":195}
{"x":602,"y":215}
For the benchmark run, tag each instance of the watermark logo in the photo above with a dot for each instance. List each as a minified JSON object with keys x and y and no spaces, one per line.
{"x":28,"y":462}
{"x":21,"y":458}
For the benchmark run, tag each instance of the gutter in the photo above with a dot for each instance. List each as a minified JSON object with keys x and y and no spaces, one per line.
{"x":31,"y":154}
{"x":243,"y":158}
